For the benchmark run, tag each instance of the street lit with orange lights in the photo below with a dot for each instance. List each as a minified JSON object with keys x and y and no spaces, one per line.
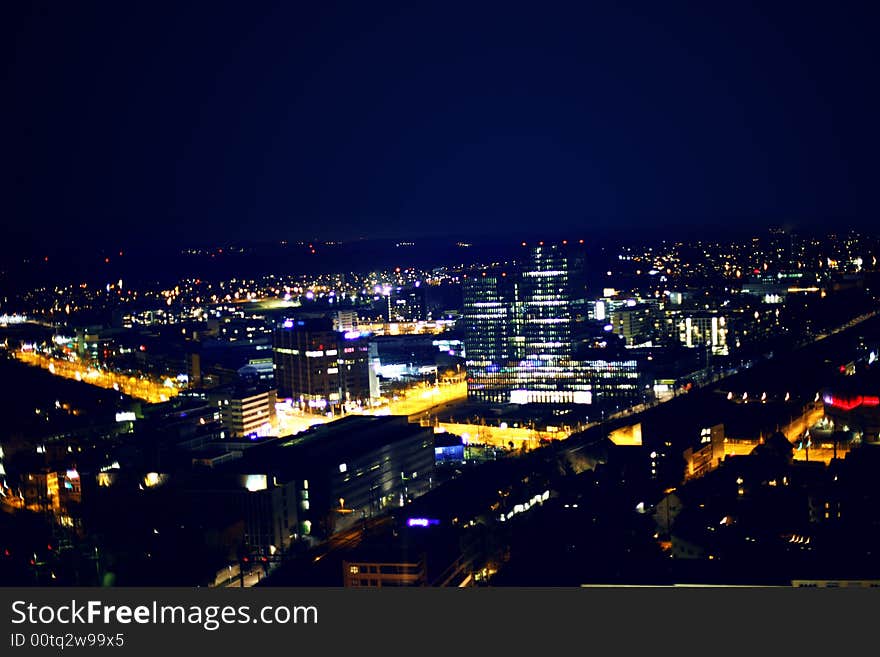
{"x":139,"y":387}
{"x":420,"y":399}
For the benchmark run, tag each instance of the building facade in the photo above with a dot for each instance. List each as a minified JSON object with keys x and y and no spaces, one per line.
{"x":490,"y":328}
{"x":328,"y":479}
{"x":248,"y":412}
{"x":518,"y":329}
{"x":319,"y":368}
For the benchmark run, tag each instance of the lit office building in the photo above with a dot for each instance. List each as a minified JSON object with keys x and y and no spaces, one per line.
{"x":488,"y":321}
{"x":345,"y":320}
{"x":614,"y":380}
{"x":518,"y":330}
{"x":551,"y":288}
{"x":356,"y":379}
{"x":704,"y":330}
{"x":318,"y":367}
{"x":546,"y":304}
{"x":248,"y":412}
{"x":635,"y":324}
{"x":407,"y":304}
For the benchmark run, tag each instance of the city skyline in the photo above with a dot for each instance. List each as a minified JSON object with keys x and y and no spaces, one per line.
{"x":438,"y":295}
{"x":517,"y":419}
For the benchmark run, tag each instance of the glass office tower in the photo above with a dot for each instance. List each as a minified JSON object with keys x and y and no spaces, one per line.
{"x":489,"y":325}
{"x":518,"y":329}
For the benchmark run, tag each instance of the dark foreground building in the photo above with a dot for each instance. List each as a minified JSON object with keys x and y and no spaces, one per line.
{"x":322,"y":481}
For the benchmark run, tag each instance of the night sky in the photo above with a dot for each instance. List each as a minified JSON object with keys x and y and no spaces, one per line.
{"x":132,"y":121}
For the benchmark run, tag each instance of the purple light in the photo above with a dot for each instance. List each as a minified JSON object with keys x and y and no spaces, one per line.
{"x":288,"y":323}
{"x":421,"y":522}
{"x":609,"y":327}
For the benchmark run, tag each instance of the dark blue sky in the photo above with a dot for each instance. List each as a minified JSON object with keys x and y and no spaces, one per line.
{"x":220,"y":121}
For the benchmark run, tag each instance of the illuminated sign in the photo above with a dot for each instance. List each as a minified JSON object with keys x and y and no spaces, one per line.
{"x":421,"y":522}
{"x":851,"y":403}
{"x":126,"y":416}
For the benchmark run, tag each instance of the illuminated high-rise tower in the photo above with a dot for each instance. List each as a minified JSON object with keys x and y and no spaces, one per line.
{"x":552,"y":288}
{"x":489,"y":325}
{"x":546,"y":304}
{"x":518,"y":329}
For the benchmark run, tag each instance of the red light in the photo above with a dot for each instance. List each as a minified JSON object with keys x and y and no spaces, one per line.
{"x":756,"y":271}
{"x":843,"y":368}
{"x":245,"y":559}
{"x":565,"y":241}
{"x":48,"y":546}
{"x":7,"y":553}
{"x":265,"y":559}
{"x":580,"y":241}
{"x":106,"y":260}
{"x":33,"y":563}
{"x":524,"y":243}
{"x":855,"y":402}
